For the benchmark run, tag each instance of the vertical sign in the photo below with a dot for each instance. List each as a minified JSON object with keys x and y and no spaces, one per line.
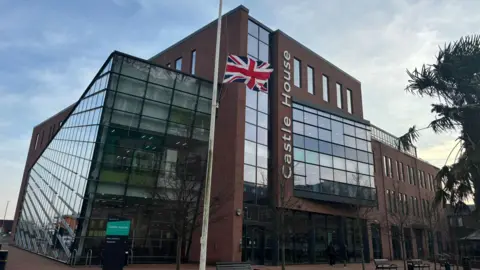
{"x":116,"y":237}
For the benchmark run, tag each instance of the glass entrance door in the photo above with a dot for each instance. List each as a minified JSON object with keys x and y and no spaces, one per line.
{"x":253,"y":247}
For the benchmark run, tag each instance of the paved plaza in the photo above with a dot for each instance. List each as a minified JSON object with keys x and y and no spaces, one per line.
{"x":23,"y":260}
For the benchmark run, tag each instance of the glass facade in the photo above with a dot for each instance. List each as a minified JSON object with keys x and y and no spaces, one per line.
{"x":256,"y":126}
{"x":137,"y":128}
{"x":332,"y":155}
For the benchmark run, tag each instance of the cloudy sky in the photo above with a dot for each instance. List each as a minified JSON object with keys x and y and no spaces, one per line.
{"x":50,"y":50}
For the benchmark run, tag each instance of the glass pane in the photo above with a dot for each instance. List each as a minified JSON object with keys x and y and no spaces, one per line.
{"x":250,"y":153}
{"x":338,"y":150}
{"x":326,"y":173}
{"x":135,"y":68}
{"x":204,"y":105}
{"x":187,"y":84}
{"x":251,"y":98}
{"x":184,"y":100}
{"x":252,"y":46}
{"x":298,"y":128}
{"x":299,"y":154}
{"x":250,"y":132}
{"x":339,"y":163}
{"x":262,"y":120}
{"x":159,"y":93}
{"x":181,"y":116}
{"x":299,"y":168}
{"x":311,"y":144}
{"x":262,"y":136}
{"x":131,"y":86}
{"x":337,"y":132}
{"x":262,"y":156}
{"x":263,"y":102}
{"x":298,"y":141}
{"x":162,"y":76}
{"x":253,"y":28}
{"x":298,"y":115}
{"x":310,"y":118}
{"x":155,"y":109}
{"x":349,"y":130}
{"x":325,"y":135}
{"x":311,"y":131}
{"x":312,"y":157}
{"x":313,"y":174}
{"x":128,"y":103}
{"x":325,"y":147}
{"x":340,"y":176}
{"x":264,"y":35}
{"x":326,"y":160}
{"x":250,"y":116}
{"x":249,"y":174}
{"x":263,"y":52}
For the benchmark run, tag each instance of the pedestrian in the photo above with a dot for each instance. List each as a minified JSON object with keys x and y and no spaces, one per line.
{"x":331,"y":252}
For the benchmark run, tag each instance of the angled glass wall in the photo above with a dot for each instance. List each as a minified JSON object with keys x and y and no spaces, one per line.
{"x":57,"y":182}
{"x":151,"y":126}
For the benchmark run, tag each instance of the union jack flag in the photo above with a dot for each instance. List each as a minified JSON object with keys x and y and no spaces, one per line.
{"x":253,"y":73}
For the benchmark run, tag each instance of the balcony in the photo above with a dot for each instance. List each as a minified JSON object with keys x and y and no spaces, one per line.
{"x":390,"y":140}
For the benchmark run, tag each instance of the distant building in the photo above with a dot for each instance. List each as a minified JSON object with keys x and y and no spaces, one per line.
{"x":138,"y":120}
{"x":6,"y":225}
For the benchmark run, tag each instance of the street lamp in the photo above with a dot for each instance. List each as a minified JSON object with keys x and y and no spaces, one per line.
{"x":4,"y":216}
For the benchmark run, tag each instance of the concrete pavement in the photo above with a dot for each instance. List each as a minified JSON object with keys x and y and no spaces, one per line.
{"x":23,"y":260}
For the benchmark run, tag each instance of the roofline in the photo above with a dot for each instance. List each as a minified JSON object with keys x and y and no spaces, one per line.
{"x":241,"y":7}
{"x":316,"y":54}
{"x":58,"y":113}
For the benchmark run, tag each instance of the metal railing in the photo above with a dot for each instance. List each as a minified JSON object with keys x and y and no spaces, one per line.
{"x":391,"y":140}
{"x":71,"y":260}
{"x":131,"y":256}
{"x":88,"y":259}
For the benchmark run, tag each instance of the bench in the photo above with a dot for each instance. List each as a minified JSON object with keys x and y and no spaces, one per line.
{"x":233,"y":265}
{"x":384,"y":264}
{"x":418,"y":264}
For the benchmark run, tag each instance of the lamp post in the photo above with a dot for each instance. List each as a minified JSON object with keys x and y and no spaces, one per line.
{"x":4,"y":216}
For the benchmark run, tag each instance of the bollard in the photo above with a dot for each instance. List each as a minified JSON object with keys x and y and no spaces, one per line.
{"x":466,"y":264}
{"x":3,"y":259}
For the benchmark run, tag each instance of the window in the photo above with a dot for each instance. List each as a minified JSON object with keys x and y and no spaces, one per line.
{"x":349,"y":101}
{"x":36,"y":141}
{"x":178,"y":64}
{"x":296,"y":72}
{"x":311,"y":80}
{"x":400,"y":171}
{"x":194,"y":61}
{"x":385,"y":170}
{"x":339,"y":96}
{"x":325,"y":87}
{"x":396,"y":170}
{"x":387,"y":166}
{"x":390,"y":170}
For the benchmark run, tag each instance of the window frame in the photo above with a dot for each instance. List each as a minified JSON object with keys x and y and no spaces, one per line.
{"x":297,"y":66}
{"x":349,"y":101}
{"x":339,"y":94}
{"x":193,"y":61}
{"x":178,"y":60}
{"x":310,"y":80}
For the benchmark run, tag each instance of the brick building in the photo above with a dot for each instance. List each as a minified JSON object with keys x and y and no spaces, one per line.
{"x":305,"y":145}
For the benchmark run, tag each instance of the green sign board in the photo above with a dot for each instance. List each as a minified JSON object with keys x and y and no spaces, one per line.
{"x":119,"y":228}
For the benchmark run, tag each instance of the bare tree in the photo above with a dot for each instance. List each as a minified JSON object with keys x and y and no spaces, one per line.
{"x":434,"y":221}
{"x":180,"y":189}
{"x":282,"y":209}
{"x":398,"y":215}
{"x":360,"y":210}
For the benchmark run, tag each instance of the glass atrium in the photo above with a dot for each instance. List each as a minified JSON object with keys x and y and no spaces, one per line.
{"x":136,"y":126}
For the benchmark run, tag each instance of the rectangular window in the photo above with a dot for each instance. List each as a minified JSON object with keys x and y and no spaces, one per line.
{"x":325,"y":88}
{"x":349,"y":101}
{"x":401,"y":172}
{"x":178,"y":64}
{"x":396,"y":170}
{"x":36,"y":141}
{"x":385,"y":170}
{"x":296,"y":72}
{"x":311,"y":80}
{"x":389,"y":203}
{"x":194,"y":61}
{"x":339,"y":96}
{"x":390,"y":169}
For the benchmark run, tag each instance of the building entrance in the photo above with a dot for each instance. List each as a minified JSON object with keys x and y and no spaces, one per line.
{"x":254,"y":244}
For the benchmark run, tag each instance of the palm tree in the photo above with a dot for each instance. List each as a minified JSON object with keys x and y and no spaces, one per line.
{"x":454,"y":80}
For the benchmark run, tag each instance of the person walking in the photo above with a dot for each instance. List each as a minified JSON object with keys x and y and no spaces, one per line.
{"x":331,"y":252}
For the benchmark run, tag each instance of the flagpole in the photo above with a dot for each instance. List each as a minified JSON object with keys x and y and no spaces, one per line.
{"x":208,"y":182}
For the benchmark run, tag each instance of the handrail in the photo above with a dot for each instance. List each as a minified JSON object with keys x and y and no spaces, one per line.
{"x":88,"y":259}
{"x":71,"y":260}
{"x":131,"y":256}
